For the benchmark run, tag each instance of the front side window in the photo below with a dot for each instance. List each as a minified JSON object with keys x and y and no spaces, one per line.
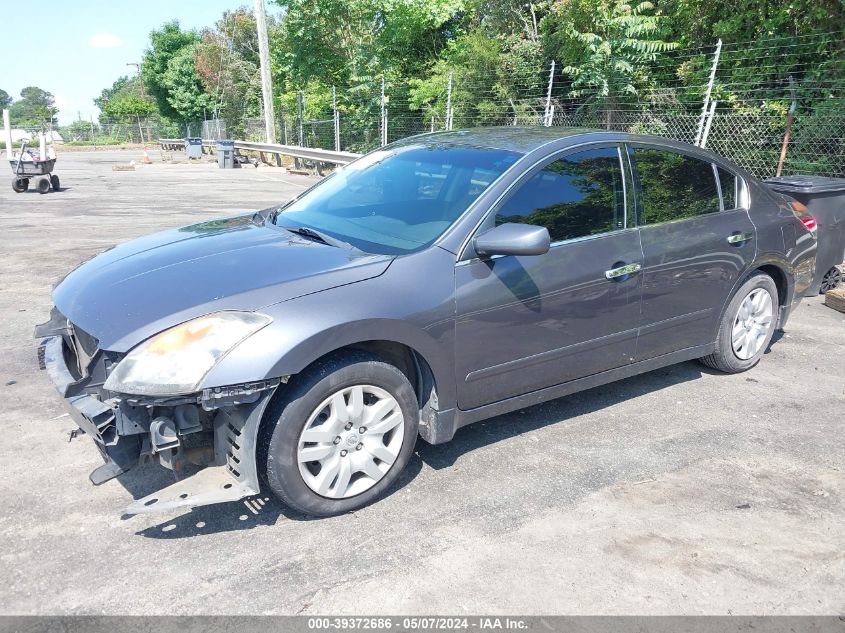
{"x":674,"y":186}
{"x":398,"y":200}
{"x":576,"y":196}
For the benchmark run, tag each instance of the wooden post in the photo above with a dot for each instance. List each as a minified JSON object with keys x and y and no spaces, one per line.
{"x":790,"y":118}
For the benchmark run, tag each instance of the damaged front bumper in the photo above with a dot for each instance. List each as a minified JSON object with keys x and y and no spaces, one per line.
{"x":215,"y":429}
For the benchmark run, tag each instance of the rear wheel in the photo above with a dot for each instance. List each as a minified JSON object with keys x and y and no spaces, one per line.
{"x":43,"y":185}
{"x":20,"y":184}
{"x":831,"y":280}
{"x":54,"y":182}
{"x":747,"y":326}
{"x":340,"y":436}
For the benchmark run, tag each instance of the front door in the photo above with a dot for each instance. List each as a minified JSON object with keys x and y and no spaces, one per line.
{"x":525,"y":323}
{"x":696,"y":244}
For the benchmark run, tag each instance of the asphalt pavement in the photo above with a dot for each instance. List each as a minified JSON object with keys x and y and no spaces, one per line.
{"x":681,"y":491}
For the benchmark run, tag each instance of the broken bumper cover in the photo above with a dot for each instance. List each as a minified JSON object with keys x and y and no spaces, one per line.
{"x":94,"y":417}
{"x":123,"y":440}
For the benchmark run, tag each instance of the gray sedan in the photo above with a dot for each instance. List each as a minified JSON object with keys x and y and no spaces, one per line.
{"x":438,"y":281}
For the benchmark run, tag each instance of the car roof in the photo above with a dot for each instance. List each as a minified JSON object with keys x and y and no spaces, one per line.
{"x":526,"y":139}
{"x":521,"y":139}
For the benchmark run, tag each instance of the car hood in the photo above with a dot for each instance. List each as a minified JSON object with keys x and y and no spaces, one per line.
{"x":140,"y":288}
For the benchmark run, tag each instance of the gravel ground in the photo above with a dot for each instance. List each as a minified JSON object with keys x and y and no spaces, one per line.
{"x":681,"y":491}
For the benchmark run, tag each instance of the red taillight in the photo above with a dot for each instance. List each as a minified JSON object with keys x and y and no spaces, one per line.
{"x":810,"y":222}
{"x":801,"y":213}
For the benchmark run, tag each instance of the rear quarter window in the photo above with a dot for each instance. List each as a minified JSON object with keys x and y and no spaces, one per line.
{"x":734,"y":192}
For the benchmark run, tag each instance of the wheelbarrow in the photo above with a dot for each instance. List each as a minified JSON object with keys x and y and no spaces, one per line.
{"x":41,"y":170}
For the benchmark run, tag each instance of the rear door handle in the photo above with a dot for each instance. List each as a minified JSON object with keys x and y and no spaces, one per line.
{"x":622,"y":271}
{"x":737,"y":239}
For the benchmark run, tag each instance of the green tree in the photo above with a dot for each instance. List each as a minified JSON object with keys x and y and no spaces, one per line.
{"x":128,"y":108}
{"x":5,"y":99}
{"x":186,"y":96}
{"x":227,"y":63}
{"x":166,"y":44}
{"x":490,"y":76}
{"x":612,"y":48}
{"x":79,"y":131}
{"x":121,"y":84}
{"x":35,"y":109}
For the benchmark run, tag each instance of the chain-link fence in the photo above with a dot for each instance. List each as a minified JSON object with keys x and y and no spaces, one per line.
{"x":142,"y":131}
{"x":735,"y":100}
{"x":740,"y":110}
{"x":753,"y":140}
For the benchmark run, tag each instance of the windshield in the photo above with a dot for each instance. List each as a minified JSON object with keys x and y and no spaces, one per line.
{"x":398,"y":200}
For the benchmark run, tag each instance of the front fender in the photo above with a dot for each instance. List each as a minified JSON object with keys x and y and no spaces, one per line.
{"x":394,"y":307}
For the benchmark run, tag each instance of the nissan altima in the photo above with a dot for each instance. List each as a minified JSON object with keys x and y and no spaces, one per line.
{"x":434,"y":282}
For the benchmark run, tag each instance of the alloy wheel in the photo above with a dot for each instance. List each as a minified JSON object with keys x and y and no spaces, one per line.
{"x":350,"y":441}
{"x":752,"y":323}
{"x":831,"y":280}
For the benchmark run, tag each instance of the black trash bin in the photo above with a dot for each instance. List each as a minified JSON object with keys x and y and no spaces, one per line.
{"x":193,"y":147}
{"x":226,"y":154}
{"x":825,"y":201}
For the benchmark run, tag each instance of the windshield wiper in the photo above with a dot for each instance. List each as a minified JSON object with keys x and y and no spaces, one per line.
{"x":314,"y":234}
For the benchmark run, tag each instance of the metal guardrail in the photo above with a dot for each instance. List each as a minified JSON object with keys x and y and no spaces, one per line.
{"x":171,"y":143}
{"x":294,"y":151}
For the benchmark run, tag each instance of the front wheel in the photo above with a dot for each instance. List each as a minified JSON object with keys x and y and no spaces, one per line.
{"x":19,"y":185}
{"x":747,"y":326}
{"x":341,"y":435}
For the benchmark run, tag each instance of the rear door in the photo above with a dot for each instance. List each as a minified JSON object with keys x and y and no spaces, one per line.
{"x":525,"y":323}
{"x":696,"y":243}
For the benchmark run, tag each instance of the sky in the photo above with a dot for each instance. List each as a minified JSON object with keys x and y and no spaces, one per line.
{"x":75,"y":48}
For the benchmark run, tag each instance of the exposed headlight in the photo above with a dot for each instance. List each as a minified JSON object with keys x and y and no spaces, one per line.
{"x":175,"y":361}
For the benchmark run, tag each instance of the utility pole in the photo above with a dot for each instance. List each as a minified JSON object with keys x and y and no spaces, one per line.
{"x":137,"y":66}
{"x":266,"y":80}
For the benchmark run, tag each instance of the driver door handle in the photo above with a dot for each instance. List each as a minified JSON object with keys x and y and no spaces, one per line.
{"x":622,"y":271}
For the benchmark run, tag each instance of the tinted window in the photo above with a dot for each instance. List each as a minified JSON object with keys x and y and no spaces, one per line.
{"x":398,"y":200}
{"x":728,"y":183}
{"x":575,"y":196}
{"x":674,"y":186}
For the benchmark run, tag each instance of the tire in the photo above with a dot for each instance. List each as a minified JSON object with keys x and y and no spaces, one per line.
{"x":43,"y":185}
{"x":831,"y":280}
{"x":310,"y":402}
{"x":19,"y":185}
{"x":734,"y":356}
{"x":54,"y":182}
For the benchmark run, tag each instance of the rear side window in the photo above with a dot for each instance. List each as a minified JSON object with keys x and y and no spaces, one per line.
{"x":730,"y":188}
{"x":674,"y":186}
{"x":576,"y":196}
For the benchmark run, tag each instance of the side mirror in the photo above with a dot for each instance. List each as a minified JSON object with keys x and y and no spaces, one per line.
{"x":513,"y":239}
